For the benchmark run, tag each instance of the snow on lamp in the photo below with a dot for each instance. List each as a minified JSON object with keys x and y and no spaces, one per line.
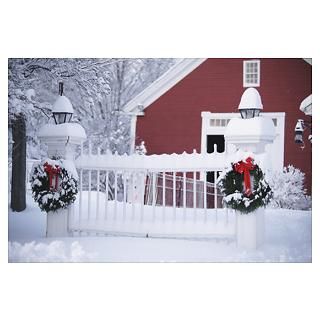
{"x":250,"y":104}
{"x":62,"y":108}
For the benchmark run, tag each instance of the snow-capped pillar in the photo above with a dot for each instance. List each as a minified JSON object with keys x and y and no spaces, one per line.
{"x":62,"y":140}
{"x":250,"y":135}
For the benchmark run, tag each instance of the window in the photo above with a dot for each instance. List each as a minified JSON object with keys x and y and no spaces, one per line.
{"x":251,"y":73}
{"x":219,"y":122}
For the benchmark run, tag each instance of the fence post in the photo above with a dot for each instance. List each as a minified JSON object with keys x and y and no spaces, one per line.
{"x":250,"y":229}
{"x":62,"y":140}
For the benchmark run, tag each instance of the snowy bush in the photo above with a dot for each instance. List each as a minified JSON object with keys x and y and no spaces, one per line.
{"x":141,"y":149}
{"x":288,"y":189}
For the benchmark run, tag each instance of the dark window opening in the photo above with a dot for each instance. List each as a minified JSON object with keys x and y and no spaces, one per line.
{"x":217,"y":139}
{"x":211,"y":141}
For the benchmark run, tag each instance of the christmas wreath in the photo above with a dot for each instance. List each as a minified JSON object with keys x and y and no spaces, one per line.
{"x":54,"y":184}
{"x":235,"y":185}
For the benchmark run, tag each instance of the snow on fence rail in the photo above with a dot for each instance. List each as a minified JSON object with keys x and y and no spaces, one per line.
{"x":156,"y":195}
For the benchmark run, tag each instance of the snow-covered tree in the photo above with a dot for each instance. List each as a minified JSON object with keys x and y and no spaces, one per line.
{"x":128,"y":77}
{"x":98,"y":90}
{"x":141,"y":149}
{"x":288,"y":189}
{"x":31,"y":82}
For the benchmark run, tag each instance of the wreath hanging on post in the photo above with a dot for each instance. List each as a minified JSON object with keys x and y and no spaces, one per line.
{"x":244,"y":187}
{"x":54,"y":184}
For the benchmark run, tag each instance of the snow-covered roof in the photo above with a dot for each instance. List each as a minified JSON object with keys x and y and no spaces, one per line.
{"x":251,"y":99}
{"x":62,"y":104}
{"x":170,"y":78}
{"x":306,"y":105}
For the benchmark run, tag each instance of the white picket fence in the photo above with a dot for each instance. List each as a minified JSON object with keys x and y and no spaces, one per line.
{"x":152,"y":196}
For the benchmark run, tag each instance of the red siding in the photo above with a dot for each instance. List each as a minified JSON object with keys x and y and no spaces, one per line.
{"x":173,"y":122}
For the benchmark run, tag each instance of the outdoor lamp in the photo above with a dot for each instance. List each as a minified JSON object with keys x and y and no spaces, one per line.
{"x":62,"y":109}
{"x":298,"y":131}
{"x":250,"y":105}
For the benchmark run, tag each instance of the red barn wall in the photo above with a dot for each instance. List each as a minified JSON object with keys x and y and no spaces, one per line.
{"x":173,"y":122}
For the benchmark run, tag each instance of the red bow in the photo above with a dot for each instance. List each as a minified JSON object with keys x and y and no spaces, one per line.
{"x":245,"y":167}
{"x":52,"y":171}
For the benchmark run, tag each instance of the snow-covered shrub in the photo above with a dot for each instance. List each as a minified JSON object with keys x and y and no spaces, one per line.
{"x":141,"y":149}
{"x":288,"y":189}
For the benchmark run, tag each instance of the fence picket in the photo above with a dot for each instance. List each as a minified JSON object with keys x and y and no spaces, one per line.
{"x":205,"y":196}
{"x":89,"y":195}
{"x":98,"y":195}
{"x":142,"y":188}
{"x":124,"y":179}
{"x":184,"y":196}
{"x":115,"y":194}
{"x":107,"y":196}
{"x":132,"y":196}
{"x":80,"y":195}
{"x":194,"y":196}
{"x":174,"y":191}
{"x":154,"y":185}
{"x":216,"y":195}
{"x":163,"y":196}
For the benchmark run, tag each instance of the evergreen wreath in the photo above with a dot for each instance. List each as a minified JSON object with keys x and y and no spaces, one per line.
{"x":236,"y":195}
{"x":53,"y":186}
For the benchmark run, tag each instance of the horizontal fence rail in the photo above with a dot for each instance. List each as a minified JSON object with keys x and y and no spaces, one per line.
{"x":153,"y":196}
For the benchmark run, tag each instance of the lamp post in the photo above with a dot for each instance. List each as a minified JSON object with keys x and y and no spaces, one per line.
{"x":62,"y":108}
{"x":299,"y":129}
{"x":249,"y":135}
{"x":62,"y":139}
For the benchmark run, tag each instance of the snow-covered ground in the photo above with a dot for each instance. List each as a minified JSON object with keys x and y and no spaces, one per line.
{"x":288,"y":239}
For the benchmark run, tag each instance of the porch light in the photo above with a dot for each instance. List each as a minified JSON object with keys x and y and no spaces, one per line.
{"x":62,"y":109}
{"x":250,"y":105}
{"x":299,"y":129}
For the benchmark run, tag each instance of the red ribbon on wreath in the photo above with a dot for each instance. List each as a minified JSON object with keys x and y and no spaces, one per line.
{"x":52,"y":171}
{"x":245,"y":167}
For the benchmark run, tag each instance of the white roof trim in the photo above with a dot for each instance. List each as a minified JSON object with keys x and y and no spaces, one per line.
{"x":309,"y":60}
{"x":306,"y":105}
{"x":156,"y":89}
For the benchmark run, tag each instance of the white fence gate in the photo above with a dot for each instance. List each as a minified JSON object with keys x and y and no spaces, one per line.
{"x":151,"y":196}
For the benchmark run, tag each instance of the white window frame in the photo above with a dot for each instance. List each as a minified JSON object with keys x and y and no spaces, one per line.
{"x":245,"y":83}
